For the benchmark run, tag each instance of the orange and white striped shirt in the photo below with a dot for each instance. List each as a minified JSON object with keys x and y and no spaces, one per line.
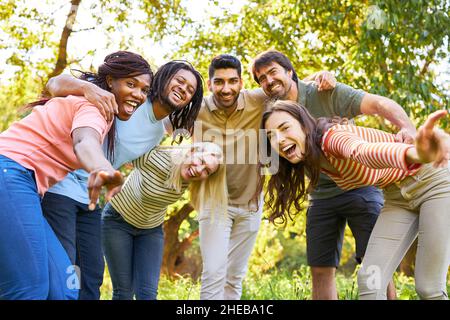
{"x":365,"y":156}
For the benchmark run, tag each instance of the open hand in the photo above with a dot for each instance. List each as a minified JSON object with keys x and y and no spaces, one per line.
{"x":325,"y":80}
{"x":433,"y":144}
{"x":104,"y":100}
{"x":112,"y":180}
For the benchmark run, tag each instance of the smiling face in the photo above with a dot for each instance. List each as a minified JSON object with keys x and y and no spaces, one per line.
{"x":275,"y":80}
{"x":180,"y":90}
{"x":225,"y":86}
{"x":286,"y":136}
{"x":199,"y":166}
{"x":129,"y":92}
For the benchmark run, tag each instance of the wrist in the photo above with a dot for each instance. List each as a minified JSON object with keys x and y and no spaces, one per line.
{"x":408,"y":127}
{"x":85,"y":87}
{"x":106,"y":168}
{"x":412,"y":157}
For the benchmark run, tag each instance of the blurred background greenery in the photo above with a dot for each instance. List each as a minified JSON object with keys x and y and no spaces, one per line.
{"x":395,"y":48}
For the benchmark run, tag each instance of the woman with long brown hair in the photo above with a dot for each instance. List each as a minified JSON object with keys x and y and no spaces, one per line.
{"x":416,"y":193}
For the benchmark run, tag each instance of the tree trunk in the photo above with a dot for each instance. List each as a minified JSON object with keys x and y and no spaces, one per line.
{"x":174,"y":260}
{"x":61,"y":63}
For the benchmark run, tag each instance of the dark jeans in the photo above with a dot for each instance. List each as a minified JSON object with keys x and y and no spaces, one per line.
{"x":33,"y":263}
{"x":78,"y":229}
{"x":326,"y":220}
{"x":133,"y":255}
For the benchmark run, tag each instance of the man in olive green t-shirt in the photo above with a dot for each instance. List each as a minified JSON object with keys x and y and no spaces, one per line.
{"x":330,"y":207}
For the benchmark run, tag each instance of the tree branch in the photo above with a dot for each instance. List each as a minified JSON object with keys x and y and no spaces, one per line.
{"x":80,"y":59}
{"x":61,"y":62}
{"x":428,"y":61}
{"x":82,"y":30}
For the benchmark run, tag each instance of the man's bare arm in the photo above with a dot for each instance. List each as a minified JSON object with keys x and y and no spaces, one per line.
{"x":372,"y":104}
{"x":64,"y":85}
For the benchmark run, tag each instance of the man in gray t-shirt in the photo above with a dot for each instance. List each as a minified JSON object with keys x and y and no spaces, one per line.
{"x":331,"y":207}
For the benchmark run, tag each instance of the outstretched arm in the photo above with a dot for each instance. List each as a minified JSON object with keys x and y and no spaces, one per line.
{"x":372,"y":104}
{"x":371,"y":147}
{"x":431,"y":144}
{"x":64,"y":85}
{"x":88,"y":149}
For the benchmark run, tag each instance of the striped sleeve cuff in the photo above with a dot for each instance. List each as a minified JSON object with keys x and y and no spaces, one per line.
{"x":412,"y":166}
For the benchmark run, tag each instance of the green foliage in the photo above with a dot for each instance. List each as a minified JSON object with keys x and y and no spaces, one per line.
{"x":30,"y":33}
{"x":183,"y":288}
{"x":28,"y":30}
{"x":386,"y":47}
{"x":294,"y":252}
{"x":168,"y":17}
{"x":267,"y":251}
{"x":13,"y":96}
{"x":188,"y":225}
{"x":106,"y":288}
{"x":379,"y":46}
{"x":276,"y":285}
{"x":405,"y":287}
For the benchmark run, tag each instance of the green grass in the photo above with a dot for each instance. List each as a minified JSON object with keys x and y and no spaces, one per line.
{"x":276,"y":285}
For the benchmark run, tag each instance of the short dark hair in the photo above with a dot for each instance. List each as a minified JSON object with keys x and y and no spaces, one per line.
{"x":224,"y":61}
{"x":265,"y":58}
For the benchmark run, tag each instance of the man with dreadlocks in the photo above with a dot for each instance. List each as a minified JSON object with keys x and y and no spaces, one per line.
{"x":176,"y":93}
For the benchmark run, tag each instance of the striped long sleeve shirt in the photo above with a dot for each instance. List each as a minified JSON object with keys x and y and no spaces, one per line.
{"x":365,"y":156}
{"x":144,"y":197}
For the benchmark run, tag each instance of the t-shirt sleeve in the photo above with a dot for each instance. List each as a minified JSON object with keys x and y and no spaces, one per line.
{"x":88,"y":116}
{"x":346,"y":100}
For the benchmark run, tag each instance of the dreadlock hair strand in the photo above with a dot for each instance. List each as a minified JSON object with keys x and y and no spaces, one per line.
{"x":120,"y":64}
{"x":184,"y":118}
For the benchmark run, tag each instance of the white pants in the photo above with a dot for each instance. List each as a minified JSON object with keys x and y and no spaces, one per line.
{"x":416,"y":207}
{"x":226,"y":245}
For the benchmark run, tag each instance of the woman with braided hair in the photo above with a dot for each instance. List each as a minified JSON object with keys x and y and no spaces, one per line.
{"x":59,"y":135}
{"x":176,"y":95}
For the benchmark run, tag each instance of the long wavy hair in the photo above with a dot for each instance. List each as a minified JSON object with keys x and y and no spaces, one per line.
{"x":287,"y":187}
{"x":120,"y":64}
{"x":184,"y":118}
{"x":212,"y":192}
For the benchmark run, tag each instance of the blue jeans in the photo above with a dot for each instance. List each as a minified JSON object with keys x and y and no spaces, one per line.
{"x":133,"y":255}
{"x":33,"y":263}
{"x":78,"y":229}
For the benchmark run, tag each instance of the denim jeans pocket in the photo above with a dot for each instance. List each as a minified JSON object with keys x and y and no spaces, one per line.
{"x":10,"y":168}
{"x":109,"y":213}
{"x":13,"y":175}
